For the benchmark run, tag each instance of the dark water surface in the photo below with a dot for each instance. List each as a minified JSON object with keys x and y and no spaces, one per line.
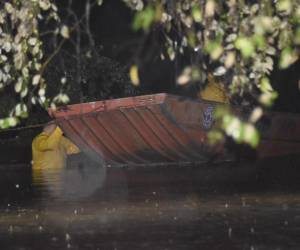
{"x":200,"y":207}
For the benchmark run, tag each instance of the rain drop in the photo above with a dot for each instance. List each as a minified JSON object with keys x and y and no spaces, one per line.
{"x":243,"y":202}
{"x":229,"y":232}
{"x":68,"y":237}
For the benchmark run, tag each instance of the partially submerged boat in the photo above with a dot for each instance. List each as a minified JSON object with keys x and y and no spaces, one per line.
{"x":163,"y":129}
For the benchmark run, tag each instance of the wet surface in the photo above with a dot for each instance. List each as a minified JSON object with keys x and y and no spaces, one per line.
{"x":208,"y":207}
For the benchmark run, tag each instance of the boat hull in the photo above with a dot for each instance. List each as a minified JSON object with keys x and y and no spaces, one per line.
{"x":161,"y":128}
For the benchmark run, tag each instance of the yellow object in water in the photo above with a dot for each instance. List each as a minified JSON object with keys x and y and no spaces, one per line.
{"x":50,"y":151}
{"x":214,"y":91}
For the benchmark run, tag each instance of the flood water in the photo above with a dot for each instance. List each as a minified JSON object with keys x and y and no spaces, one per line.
{"x":173,"y":207}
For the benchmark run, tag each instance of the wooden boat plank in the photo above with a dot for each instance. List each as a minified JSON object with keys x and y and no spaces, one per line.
{"x":163,"y":128}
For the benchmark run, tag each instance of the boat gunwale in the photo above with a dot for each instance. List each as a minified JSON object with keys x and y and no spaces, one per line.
{"x":106,"y":104}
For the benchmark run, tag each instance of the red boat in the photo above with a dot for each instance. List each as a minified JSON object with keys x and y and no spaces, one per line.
{"x":162,"y":128}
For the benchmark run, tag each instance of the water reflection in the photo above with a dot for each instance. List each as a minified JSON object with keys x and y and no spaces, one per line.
{"x":149,"y":208}
{"x":71,"y":183}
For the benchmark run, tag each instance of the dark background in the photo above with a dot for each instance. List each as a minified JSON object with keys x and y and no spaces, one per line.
{"x":111,"y":26}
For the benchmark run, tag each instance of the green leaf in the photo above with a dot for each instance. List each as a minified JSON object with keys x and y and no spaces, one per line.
{"x":259,"y":41}
{"x":197,"y":13}
{"x":214,"y":49}
{"x":215,"y":136}
{"x":24,"y":114}
{"x":285,"y":38}
{"x":250,"y":135}
{"x":217,"y":52}
{"x":265,"y":85}
{"x":134,"y":75}
{"x":171,"y":53}
{"x":256,"y":114}
{"x":44,"y":4}
{"x":284,"y":5}
{"x":246,"y":46}
{"x":191,"y":39}
{"x":144,"y":18}
{"x":99,"y":2}
{"x":220,"y":111}
{"x":185,"y":76}
{"x":287,"y":57}
{"x":230,"y":60}
{"x":18,"y":85}
{"x":9,"y":122}
{"x":64,"y":31}
{"x":297,"y":36}
{"x":210,"y":8}
{"x":268,"y":98}
{"x":5,"y":124}
{"x":36,"y":79}
{"x":233,"y":127}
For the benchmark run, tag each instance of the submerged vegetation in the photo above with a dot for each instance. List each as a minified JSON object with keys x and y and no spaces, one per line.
{"x":49,"y":56}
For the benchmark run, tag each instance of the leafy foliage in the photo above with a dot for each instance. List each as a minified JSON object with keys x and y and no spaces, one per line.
{"x":22,"y":58}
{"x":37,"y":69}
{"x":239,"y":41}
{"x":236,"y":39}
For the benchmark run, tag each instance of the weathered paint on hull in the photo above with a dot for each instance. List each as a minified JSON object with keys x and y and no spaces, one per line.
{"x":160,"y":128}
{"x":139,"y":130}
